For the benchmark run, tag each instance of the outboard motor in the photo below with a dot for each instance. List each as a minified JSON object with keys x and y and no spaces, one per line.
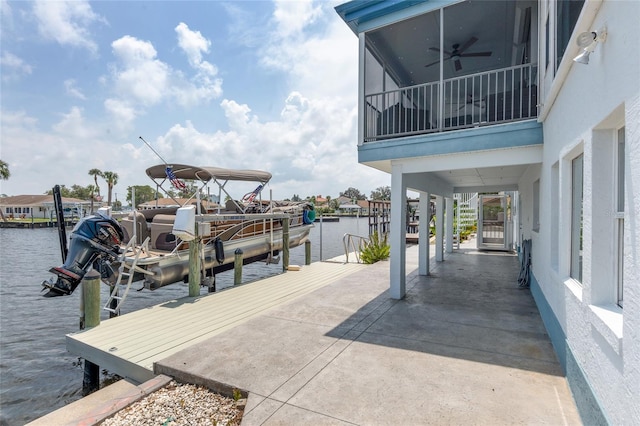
{"x":96,"y":239}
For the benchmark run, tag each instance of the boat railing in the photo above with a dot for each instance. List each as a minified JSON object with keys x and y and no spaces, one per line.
{"x":353,"y":244}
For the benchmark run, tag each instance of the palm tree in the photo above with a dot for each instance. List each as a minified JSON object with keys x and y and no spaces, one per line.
{"x":4,"y":175}
{"x":4,"y":171}
{"x":112,"y":180}
{"x":95,"y":173}
{"x":92,"y":191}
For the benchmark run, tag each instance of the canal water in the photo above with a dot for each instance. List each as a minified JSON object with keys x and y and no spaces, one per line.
{"x":37,"y":374}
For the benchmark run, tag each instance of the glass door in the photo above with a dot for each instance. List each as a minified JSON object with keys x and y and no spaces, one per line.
{"x":492,"y":231}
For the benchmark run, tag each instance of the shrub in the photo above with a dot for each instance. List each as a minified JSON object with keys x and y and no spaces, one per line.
{"x":375,"y":250}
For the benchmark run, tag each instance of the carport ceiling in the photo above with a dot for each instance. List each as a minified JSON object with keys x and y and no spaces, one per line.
{"x":485,"y":176}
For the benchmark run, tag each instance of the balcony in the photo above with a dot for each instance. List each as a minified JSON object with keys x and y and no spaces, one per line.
{"x":482,"y":99}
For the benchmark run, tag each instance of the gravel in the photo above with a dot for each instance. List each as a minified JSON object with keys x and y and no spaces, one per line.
{"x":180,"y":404}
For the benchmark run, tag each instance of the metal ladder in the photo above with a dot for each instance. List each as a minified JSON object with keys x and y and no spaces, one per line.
{"x":355,"y":243}
{"x":129,"y":273}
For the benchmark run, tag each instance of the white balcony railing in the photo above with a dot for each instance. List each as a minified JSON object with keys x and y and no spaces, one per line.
{"x":497,"y":96}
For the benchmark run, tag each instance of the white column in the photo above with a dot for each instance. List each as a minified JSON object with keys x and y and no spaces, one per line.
{"x":398,"y":235}
{"x":439,"y":227}
{"x":449,"y":232}
{"x":423,"y":233}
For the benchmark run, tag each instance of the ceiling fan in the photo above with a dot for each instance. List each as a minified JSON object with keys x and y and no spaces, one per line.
{"x":458,"y":52}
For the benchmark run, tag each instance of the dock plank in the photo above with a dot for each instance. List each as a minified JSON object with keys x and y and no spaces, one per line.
{"x":128,"y":345}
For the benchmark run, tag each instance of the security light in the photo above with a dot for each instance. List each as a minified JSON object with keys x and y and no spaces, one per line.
{"x":588,"y":41}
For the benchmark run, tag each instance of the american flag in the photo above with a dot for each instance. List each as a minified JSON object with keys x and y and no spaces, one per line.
{"x":177,"y":183}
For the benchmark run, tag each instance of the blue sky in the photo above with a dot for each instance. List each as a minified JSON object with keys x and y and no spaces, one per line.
{"x":269,"y":85}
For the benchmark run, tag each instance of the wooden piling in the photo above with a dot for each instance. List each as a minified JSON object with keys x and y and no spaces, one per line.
{"x":194,"y":264}
{"x":285,"y":244}
{"x":237,"y":267}
{"x":307,"y":252}
{"x":90,"y":302}
{"x":90,"y":317}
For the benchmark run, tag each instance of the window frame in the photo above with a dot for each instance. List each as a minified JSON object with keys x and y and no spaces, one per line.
{"x":576,"y":246}
{"x":619,"y":209}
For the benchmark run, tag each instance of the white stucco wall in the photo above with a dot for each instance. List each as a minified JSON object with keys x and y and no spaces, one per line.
{"x":593,"y":101}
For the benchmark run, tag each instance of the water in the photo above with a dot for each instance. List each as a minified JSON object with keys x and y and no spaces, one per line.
{"x":37,"y":374}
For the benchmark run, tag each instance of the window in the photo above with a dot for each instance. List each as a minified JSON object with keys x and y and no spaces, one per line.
{"x":619,"y":212}
{"x":536,"y":205}
{"x":567,"y":13}
{"x":576,"y":217}
{"x":554,"y":216}
{"x":546,"y":47}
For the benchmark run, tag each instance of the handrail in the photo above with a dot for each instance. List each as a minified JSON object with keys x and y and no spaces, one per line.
{"x":480,"y":99}
{"x":349,"y":243}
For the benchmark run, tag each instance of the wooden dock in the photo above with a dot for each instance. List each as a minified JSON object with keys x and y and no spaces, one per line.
{"x":128,"y":345}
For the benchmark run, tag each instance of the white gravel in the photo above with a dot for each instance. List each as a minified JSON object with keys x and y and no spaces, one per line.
{"x":180,"y":404}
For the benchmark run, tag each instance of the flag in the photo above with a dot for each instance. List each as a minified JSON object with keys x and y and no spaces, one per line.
{"x":252,"y":195}
{"x":177,"y":183}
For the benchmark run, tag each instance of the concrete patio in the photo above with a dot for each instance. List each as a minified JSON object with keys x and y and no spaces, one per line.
{"x":466,"y":346}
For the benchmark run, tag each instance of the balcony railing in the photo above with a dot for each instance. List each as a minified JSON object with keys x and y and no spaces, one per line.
{"x":497,"y":96}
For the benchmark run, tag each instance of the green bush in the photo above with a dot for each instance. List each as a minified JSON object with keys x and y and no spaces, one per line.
{"x":375,"y":250}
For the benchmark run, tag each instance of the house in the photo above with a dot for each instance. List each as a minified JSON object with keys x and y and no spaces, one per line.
{"x":534,"y":105}
{"x":41,"y":207}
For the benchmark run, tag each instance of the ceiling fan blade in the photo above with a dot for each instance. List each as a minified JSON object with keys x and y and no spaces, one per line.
{"x":437,"y":62}
{"x":467,"y":44}
{"x":457,"y":64}
{"x":469,"y":55}
{"x":432,"y":63}
{"x":435,"y":49}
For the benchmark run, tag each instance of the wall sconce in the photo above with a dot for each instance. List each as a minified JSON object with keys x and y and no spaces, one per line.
{"x":587,"y":42}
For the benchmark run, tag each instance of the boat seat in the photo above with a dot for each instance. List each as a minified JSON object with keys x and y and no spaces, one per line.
{"x":149,"y":214}
{"x":161,"y":232}
{"x":230,"y":207}
{"x":143,"y":229}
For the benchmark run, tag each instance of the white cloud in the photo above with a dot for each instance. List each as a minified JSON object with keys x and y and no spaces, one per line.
{"x":13,"y":66}
{"x":72,"y":90}
{"x":193,"y":44}
{"x":122,"y":114}
{"x":64,"y":153}
{"x":143,"y":78}
{"x":67,"y":22}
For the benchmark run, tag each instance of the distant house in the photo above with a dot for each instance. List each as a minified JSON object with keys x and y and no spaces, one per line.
{"x":349,"y":206}
{"x":41,"y":207}
{"x":321,"y":201}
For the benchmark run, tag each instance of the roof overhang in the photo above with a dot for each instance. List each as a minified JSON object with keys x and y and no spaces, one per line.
{"x":362,"y":16}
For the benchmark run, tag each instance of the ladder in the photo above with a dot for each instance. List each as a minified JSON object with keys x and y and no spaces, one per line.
{"x":126,"y":270}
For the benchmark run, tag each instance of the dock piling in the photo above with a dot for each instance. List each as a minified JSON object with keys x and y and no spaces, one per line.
{"x":307,"y":252}
{"x":90,"y":317}
{"x":285,"y":244}
{"x":194,"y":264}
{"x":237,"y":267}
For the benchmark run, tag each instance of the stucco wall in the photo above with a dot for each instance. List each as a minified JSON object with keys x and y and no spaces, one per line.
{"x":603,"y":339}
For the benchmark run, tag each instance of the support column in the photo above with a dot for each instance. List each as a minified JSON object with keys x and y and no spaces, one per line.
{"x":439,"y":227}
{"x":423,"y":233}
{"x":398,"y":235}
{"x":449,"y":224}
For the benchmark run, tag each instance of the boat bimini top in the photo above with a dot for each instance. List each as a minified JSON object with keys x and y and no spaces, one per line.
{"x":176,"y":173}
{"x":205,"y":174}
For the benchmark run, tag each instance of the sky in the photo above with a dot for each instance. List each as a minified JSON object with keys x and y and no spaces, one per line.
{"x":267,"y":85}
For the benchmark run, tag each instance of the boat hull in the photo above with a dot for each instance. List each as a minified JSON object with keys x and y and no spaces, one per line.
{"x":171,"y":268}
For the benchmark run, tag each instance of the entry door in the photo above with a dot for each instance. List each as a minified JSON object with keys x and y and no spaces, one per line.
{"x":492,"y":221}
